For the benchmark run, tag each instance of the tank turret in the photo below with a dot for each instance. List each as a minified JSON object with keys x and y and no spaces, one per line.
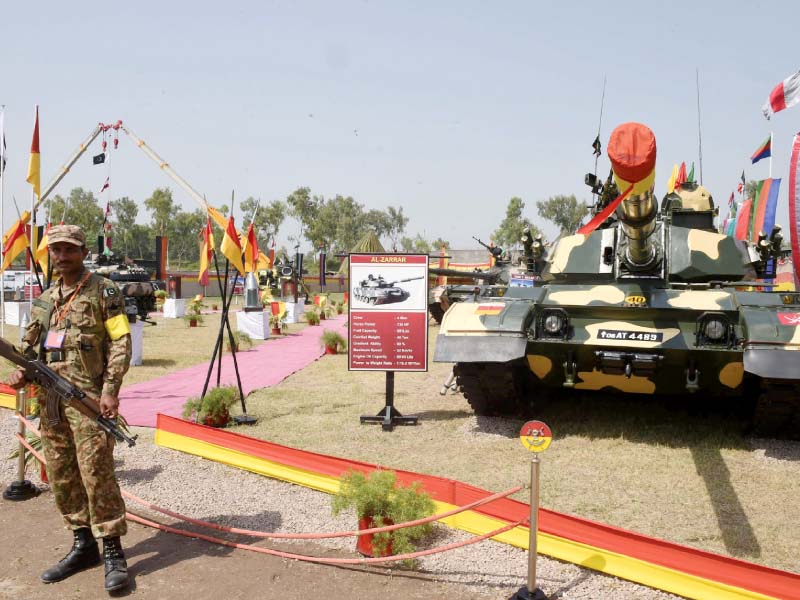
{"x":137,"y":288}
{"x":376,"y":290}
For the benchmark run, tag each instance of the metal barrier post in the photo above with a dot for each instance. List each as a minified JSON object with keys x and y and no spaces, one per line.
{"x":21,"y":489}
{"x":535,"y":436}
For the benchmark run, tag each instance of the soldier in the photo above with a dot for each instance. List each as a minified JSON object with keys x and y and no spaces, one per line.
{"x":80,"y":329}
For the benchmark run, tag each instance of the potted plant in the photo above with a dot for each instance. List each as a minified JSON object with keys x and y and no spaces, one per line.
{"x":193,"y":320}
{"x":276,"y":324}
{"x":161,"y":297}
{"x":241,"y":340}
{"x":194,"y":309}
{"x":339,"y":308}
{"x":379,"y":501}
{"x":312,"y":318}
{"x":333,"y":342}
{"x":212,"y":409}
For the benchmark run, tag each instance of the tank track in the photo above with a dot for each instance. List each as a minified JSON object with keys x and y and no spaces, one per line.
{"x":494,"y":388}
{"x":777,"y":410}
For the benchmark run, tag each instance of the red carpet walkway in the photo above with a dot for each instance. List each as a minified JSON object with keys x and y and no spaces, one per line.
{"x":266,"y":365}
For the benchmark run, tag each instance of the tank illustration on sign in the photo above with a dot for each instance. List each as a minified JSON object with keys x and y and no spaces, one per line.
{"x":376,"y":290}
{"x":645,"y":299}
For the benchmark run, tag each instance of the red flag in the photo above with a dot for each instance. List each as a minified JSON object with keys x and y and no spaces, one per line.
{"x":681,"y":176}
{"x":783,"y":95}
{"x":106,"y":185}
{"x":251,"y":251}
{"x":743,"y":220}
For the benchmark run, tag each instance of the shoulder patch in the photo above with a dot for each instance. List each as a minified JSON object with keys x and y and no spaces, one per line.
{"x":109,"y":291}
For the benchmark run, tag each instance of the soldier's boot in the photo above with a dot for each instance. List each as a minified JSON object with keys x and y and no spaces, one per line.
{"x":82,"y":555}
{"x":116,"y":567}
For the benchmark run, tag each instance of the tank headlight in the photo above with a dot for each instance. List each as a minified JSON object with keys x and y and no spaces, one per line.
{"x":553,"y":323}
{"x":715,"y":329}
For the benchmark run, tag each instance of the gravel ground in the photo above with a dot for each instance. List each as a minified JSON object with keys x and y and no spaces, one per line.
{"x":206,"y":490}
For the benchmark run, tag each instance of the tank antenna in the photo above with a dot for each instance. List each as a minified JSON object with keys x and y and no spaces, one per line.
{"x":600,"y":122}
{"x":699,"y":133}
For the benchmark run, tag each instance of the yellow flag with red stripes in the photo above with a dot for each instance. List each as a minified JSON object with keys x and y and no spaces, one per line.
{"x":230,"y":246}
{"x":34,"y":166}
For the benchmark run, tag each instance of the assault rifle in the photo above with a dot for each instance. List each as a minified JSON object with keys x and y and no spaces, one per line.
{"x":57,"y":388}
{"x":496,"y":251}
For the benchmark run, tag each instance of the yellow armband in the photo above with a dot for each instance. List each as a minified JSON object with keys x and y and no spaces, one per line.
{"x":118,"y":326}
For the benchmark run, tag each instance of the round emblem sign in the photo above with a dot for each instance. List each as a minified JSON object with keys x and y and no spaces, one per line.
{"x":535,"y":436}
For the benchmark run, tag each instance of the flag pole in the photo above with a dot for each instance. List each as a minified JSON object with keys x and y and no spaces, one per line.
{"x":771,"y":152}
{"x":2,"y":215}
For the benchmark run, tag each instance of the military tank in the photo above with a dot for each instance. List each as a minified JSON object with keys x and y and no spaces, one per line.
{"x":376,"y":290}
{"x":488,"y":283}
{"x":138,"y":289}
{"x":643,"y":300}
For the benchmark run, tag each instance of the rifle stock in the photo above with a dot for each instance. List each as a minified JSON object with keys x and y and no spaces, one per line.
{"x":57,"y":389}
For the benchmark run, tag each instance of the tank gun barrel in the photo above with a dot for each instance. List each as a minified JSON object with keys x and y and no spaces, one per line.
{"x":481,"y":275}
{"x":632,"y":151}
{"x":409,"y":279}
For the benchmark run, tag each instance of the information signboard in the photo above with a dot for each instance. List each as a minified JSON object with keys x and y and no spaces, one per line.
{"x":388,"y":312}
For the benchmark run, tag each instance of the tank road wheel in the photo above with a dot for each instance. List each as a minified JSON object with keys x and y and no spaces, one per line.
{"x":777,"y":412}
{"x":494,"y":388}
{"x":437,"y":312}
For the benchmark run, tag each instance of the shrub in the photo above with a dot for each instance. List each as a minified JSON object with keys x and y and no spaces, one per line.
{"x":214,"y":407}
{"x":379,"y":497}
{"x":333,"y":339}
{"x":241,"y":339}
{"x":312,"y":318}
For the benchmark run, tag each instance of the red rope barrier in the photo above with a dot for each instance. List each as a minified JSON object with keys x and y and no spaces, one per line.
{"x":316,"y":536}
{"x":316,"y":559}
{"x":331,"y":561}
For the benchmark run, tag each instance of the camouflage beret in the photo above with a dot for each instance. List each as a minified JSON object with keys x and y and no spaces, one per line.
{"x":71,"y":234}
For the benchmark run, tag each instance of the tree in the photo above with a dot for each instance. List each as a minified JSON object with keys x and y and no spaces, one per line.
{"x":397,"y":224}
{"x":269,"y":217}
{"x":81,"y":210}
{"x":751,"y":189}
{"x":565,"y":211}
{"x":162,"y":210}
{"x":438,"y":243}
{"x":123,"y":218}
{"x":340,"y":223}
{"x":304,"y":208}
{"x":142,"y":242}
{"x":184,"y":244}
{"x":379,"y":221}
{"x":418,"y":244}
{"x":510,"y":231}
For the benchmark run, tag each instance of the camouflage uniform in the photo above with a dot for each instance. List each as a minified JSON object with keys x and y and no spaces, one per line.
{"x":96,"y":355}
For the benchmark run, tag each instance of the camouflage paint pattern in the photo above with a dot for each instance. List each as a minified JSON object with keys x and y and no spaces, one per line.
{"x":633,"y":308}
{"x":79,"y":454}
{"x":80,"y":467}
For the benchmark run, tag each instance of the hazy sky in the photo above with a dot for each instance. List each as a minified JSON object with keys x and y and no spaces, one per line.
{"x":447,"y":109}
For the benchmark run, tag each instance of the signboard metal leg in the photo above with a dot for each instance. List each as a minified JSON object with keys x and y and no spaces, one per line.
{"x":389,"y":415}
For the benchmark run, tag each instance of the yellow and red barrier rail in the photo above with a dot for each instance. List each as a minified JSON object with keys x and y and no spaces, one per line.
{"x":656,"y":563}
